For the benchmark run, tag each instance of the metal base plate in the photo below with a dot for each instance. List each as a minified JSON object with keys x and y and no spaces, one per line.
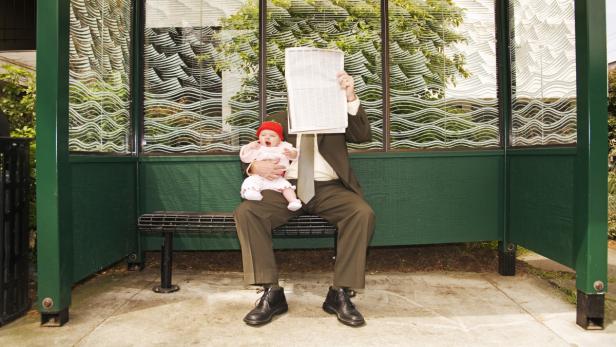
{"x":506,"y":259}
{"x":54,"y":319}
{"x":590,"y":310}
{"x":161,"y":290}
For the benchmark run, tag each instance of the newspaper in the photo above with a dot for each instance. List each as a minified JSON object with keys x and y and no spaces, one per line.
{"x":317,"y":104}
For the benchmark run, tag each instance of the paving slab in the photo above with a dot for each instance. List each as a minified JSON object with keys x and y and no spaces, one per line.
{"x":24,"y":59}
{"x":401,"y":309}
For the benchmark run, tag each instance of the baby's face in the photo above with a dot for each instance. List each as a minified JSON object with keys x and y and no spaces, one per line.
{"x":269,"y":138}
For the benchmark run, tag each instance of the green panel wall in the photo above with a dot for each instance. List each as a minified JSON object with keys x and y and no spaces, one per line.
{"x":104,"y":213}
{"x":190,"y":184}
{"x":541,"y":198}
{"x":438,"y":199}
{"x":418,"y":199}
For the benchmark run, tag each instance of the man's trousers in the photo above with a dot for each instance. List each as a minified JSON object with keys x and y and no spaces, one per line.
{"x":343,"y":208}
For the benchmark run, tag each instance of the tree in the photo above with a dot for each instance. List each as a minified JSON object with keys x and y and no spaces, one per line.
{"x":420,"y":32}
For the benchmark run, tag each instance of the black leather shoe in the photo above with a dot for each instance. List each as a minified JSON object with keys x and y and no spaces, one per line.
{"x":339,"y":303}
{"x":271,"y":303}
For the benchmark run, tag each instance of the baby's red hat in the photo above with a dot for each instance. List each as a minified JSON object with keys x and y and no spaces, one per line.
{"x":273,"y":126}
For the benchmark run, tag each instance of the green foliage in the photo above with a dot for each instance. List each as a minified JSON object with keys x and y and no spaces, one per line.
{"x":611,"y":111}
{"x":611,"y":220}
{"x":17,"y":98}
{"x":611,"y":108}
{"x":17,"y":101}
{"x":611,"y":183}
{"x":611,"y":180}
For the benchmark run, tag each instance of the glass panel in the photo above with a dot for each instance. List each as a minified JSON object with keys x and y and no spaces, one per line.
{"x":201,"y":66}
{"x":99,"y":76}
{"x":352,"y":26}
{"x":544,"y":78}
{"x":443,"y":74}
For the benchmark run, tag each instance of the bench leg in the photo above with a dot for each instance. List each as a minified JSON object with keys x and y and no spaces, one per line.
{"x":166,"y":254}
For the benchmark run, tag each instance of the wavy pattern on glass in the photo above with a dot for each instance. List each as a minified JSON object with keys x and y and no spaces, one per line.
{"x":443,"y":74}
{"x":99,"y":93}
{"x":352,"y":26}
{"x":544,"y":84}
{"x":201,"y":69}
{"x":200,"y":96}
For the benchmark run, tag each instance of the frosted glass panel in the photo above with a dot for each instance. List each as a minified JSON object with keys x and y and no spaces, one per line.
{"x":99,"y":76}
{"x":201,"y":64}
{"x":351,"y":26}
{"x":443,"y":74}
{"x":544,"y":80}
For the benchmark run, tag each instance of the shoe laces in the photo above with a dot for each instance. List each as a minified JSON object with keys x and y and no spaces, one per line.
{"x":347,"y":297}
{"x":263,"y":297}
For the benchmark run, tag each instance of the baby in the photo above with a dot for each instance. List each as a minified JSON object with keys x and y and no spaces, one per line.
{"x":269,"y":146}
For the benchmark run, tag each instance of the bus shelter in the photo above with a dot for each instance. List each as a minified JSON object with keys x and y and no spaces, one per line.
{"x":489,"y":122}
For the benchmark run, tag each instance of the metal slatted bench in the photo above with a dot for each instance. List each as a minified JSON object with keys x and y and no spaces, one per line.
{"x":168,"y":223}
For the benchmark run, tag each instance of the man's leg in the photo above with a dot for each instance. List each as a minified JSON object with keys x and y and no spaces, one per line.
{"x":355,"y":221}
{"x":254,"y":222}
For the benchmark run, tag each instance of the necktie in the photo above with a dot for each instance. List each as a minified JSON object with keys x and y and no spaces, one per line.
{"x":305,"y":177}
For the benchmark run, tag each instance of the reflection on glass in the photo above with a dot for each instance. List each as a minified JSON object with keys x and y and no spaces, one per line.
{"x":201,"y":64}
{"x":443,"y":74}
{"x":351,"y":26}
{"x":544,"y":80}
{"x":99,"y":76}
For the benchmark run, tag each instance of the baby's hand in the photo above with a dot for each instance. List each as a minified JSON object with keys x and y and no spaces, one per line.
{"x":290,"y":153}
{"x":254,"y":145}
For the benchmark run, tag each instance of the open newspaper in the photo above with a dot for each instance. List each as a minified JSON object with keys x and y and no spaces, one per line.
{"x":317,"y":104}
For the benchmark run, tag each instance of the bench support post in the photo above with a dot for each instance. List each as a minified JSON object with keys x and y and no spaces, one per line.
{"x":166,"y":256}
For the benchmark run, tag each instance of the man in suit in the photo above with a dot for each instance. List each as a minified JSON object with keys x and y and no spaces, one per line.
{"x":334,"y":194}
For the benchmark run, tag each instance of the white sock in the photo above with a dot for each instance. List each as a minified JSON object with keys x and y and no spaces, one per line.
{"x":295,"y":205}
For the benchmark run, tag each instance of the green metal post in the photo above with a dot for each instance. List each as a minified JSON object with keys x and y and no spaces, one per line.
{"x":506,"y":249}
{"x":53,"y":174}
{"x":590,"y":239}
{"x":135,"y":258}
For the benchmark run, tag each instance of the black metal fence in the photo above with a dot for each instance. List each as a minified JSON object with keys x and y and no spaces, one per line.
{"x":14,"y":228}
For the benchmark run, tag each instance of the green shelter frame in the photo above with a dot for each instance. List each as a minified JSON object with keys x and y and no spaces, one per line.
{"x":549,"y":198}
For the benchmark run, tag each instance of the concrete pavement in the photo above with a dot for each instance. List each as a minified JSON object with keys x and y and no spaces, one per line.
{"x":24,"y":59}
{"x":401,"y":309}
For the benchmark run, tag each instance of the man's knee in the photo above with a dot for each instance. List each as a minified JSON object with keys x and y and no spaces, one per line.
{"x":364,"y":211}
{"x":243,"y":210}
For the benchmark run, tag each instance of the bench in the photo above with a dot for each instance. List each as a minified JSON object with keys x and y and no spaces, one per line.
{"x":169,"y":223}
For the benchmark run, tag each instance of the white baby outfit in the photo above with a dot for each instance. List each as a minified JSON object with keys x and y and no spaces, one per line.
{"x":254,"y":184}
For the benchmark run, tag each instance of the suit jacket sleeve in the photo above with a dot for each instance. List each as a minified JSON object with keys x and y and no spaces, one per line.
{"x":359,"y":129}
